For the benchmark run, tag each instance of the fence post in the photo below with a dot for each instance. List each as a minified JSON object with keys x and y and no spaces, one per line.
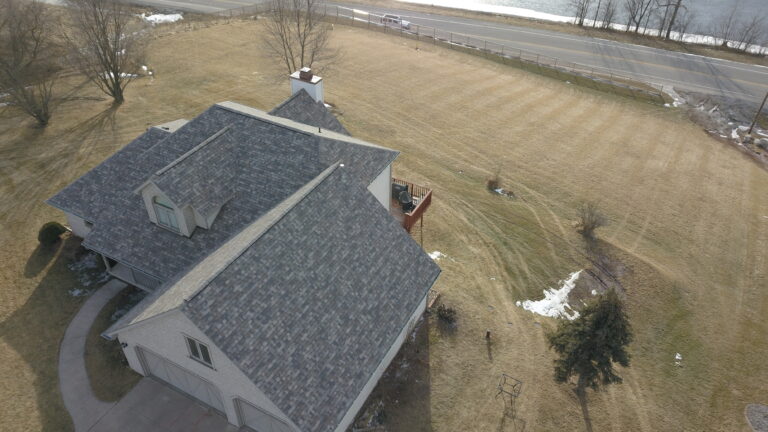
{"x":369,"y":21}
{"x":434,"y":35}
{"x":502,"y":50}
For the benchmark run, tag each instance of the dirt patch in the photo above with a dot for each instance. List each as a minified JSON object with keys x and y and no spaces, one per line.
{"x":728,"y":120}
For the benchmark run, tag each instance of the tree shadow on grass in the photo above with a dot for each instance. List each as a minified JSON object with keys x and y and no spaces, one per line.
{"x":40,"y":258}
{"x":34,"y":331}
{"x":582,"y":395}
{"x":401,"y":400}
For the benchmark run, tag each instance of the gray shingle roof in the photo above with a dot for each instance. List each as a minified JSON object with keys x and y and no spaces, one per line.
{"x":303,"y":109}
{"x":336,"y":281}
{"x":262,"y":160}
{"x":304,"y":280}
{"x":89,"y":195}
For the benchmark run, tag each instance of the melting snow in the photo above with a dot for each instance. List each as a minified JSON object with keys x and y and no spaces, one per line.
{"x":161,"y":18}
{"x":436,"y":255}
{"x":89,"y":271}
{"x":678,"y":359}
{"x":555,"y":301}
{"x":122,"y":75}
{"x":594,"y":292}
{"x":735,"y":134}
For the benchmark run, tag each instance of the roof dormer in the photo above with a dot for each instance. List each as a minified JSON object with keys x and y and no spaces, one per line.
{"x":163,"y":212}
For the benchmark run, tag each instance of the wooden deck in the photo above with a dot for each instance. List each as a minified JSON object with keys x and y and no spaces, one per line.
{"x":422,"y":198}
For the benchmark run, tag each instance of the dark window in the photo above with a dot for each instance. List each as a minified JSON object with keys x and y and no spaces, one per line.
{"x":199,"y":351}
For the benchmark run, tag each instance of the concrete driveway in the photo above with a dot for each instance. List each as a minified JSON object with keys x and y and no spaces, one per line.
{"x":149,"y":407}
{"x":154,"y":407}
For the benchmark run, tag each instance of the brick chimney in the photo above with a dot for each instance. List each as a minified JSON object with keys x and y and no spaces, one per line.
{"x":305,"y":79}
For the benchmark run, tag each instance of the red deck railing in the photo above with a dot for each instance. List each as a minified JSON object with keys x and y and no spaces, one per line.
{"x":422,"y":198}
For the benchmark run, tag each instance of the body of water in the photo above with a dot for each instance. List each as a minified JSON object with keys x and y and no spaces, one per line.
{"x":706,"y":12}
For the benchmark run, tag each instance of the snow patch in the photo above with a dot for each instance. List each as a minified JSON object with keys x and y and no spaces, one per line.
{"x":678,"y":359}
{"x":735,"y":134}
{"x":79,"y":292}
{"x":555,"y":301}
{"x":161,"y":18}
{"x":594,"y":292}
{"x":436,"y":255}
{"x":122,"y":75}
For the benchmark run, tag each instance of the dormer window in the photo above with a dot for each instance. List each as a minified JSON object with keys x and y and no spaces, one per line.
{"x":166,"y":215}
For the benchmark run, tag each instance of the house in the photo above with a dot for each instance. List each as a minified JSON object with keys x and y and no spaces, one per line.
{"x":280,"y":284}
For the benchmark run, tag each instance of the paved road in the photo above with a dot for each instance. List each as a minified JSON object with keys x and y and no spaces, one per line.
{"x":683,"y":71}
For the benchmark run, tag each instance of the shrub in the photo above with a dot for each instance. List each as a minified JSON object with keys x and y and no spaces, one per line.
{"x":590,"y":219}
{"x":50,"y":232}
{"x":446,"y":314}
{"x":493,"y":183}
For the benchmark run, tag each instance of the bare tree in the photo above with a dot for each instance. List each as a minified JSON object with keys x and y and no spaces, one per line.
{"x":106,"y":47}
{"x":725,"y":28}
{"x":580,"y":9}
{"x":297,"y":34}
{"x":28,"y":57}
{"x":608,"y":13}
{"x":750,"y":32}
{"x":637,"y":10}
{"x":675,"y":11}
{"x":683,"y":22}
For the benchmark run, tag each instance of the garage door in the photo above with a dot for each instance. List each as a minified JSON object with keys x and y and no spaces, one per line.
{"x":182,"y":379}
{"x":259,"y":420}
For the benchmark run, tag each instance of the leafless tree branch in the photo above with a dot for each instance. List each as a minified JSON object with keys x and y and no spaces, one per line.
{"x":297,"y":34}
{"x":107,"y":46}
{"x":28,"y":66}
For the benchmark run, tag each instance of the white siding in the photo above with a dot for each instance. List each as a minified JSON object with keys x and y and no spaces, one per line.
{"x":314,"y":89}
{"x":185,"y":219}
{"x":381,"y":187}
{"x":349,"y":417}
{"x":78,"y":225}
{"x":164,"y":335}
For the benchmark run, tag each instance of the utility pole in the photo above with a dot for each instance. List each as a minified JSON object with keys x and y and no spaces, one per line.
{"x":759,"y":110}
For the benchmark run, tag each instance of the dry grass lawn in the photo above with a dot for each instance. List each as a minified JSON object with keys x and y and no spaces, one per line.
{"x":689,"y":223}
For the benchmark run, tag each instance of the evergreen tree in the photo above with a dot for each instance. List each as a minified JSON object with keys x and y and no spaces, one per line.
{"x":589,"y":345}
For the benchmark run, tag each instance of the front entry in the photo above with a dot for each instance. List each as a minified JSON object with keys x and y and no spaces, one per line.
{"x":182,"y":379}
{"x":259,"y":420}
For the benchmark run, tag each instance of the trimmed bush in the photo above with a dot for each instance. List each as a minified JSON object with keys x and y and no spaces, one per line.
{"x":50,"y":233}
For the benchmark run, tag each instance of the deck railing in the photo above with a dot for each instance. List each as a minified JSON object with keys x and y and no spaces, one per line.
{"x":422,"y":198}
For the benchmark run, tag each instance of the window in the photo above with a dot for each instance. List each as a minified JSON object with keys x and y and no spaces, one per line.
{"x":166,"y":216}
{"x":199,"y":351}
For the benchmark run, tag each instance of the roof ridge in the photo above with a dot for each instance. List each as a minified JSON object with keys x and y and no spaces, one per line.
{"x":296,"y":126}
{"x":285,"y":102}
{"x":194,"y":149}
{"x":269,"y":220}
